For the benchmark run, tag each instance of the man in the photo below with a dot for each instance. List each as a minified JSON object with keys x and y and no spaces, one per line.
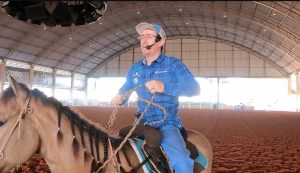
{"x":168,"y":78}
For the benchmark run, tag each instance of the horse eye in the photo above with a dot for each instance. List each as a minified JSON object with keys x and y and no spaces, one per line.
{"x":1,"y":123}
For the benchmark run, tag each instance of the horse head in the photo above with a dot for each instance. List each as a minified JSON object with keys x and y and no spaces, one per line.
{"x":31,"y":122}
{"x":19,"y":140}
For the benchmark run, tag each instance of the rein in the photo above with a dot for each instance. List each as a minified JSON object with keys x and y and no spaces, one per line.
{"x":25,"y":110}
{"x":113,"y":118}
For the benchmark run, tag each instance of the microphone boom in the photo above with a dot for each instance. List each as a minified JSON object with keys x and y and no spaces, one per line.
{"x":149,"y":46}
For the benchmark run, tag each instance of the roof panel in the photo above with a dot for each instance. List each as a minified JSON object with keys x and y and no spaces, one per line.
{"x":55,"y":55}
{"x":3,"y":51}
{"x":69,"y":43}
{"x":4,"y":19}
{"x":254,"y":22}
{"x":87,"y":49}
{"x":47,"y":62}
{"x":36,"y":41}
{"x":290,"y":24}
{"x":10,"y":33}
{"x":81,"y":55}
{"x":261,"y":12}
{"x":73,"y":60}
{"x":20,"y":25}
{"x":66,"y":66}
{"x":6,"y":43}
{"x":276,"y":18}
{"x":44,"y":34}
{"x":23,"y":57}
{"x":82,"y":70}
{"x":28,"y":49}
{"x":63,"y":49}
{"x":297,"y":7}
{"x":248,"y":7}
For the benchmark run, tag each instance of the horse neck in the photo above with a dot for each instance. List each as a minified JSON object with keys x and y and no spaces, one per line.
{"x":65,"y":153}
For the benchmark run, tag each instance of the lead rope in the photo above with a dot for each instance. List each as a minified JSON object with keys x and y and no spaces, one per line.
{"x":111,"y":121}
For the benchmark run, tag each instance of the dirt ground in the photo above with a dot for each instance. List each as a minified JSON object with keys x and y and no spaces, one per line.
{"x":242,"y":141}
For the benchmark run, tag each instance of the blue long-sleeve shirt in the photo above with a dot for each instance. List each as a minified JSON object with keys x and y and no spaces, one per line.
{"x":177,"y":79}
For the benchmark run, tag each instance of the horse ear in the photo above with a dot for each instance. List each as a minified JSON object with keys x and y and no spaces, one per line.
{"x":14,"y":84}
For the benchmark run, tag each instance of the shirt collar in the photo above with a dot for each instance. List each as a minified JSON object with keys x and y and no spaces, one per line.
{"x":159,"y":59}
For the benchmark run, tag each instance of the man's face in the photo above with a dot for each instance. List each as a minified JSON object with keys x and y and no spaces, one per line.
{"x":147,"y":39}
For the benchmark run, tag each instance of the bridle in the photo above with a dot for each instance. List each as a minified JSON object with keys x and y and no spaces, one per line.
{"x":25,"y":110}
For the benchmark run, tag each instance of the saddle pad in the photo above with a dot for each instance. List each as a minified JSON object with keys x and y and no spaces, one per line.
{"x":137,"y":145}
{"x":201,"y":159}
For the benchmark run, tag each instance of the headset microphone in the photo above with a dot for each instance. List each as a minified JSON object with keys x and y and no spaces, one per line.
{"x":149,"y":46}
{"x":157,"y":39}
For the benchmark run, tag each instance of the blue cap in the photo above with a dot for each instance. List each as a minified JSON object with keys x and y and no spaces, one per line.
{"x":155,"y":27}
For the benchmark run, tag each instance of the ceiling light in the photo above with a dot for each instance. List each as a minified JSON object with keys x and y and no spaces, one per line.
{"x":138,"y":12}
{"x":224,"y":16}
{"x":180,"y":9}
{"x":52,"y":13}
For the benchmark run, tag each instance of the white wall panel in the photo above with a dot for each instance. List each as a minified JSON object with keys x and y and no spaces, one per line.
{"x":223,"y":72}
{"x":257,"y":72}
{"x":209,"y":59}
{"x":101,"y":71}
{"x":241,"y":72}
{"x":209,"y":72}
{"x":194,"y":47}
{"x":194,"y":55}
{"x":256,"y":62}
{"x":194,"y":71}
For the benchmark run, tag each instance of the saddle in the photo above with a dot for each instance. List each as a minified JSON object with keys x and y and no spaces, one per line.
{"x":153,"y":151}
{"x":148,"y":140}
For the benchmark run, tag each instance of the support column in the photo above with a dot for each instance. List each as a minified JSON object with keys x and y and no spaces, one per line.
{"x":289,"y":80}
{"x":31,"y":76}
{"x":86,"y":87}
{"x":72,"y":87}
{"x":297,"y":90}
{"x":53,"y":82}
{"x":2,"y":77}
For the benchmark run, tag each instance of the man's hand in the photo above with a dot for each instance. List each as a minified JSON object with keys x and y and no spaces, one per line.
{"x":117,"y":100}
{"x":155,"y":86}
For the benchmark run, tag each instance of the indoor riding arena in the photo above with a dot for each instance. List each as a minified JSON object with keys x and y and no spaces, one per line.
{"x":70,"y":59}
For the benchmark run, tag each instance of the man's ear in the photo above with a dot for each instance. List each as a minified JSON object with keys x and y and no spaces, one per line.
{"x":162,"y":42}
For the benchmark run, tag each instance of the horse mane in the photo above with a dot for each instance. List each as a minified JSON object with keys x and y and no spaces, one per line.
{"x":95,"y":133}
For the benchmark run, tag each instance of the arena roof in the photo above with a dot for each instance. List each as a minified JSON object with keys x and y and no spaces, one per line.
{"x":267,"y":29}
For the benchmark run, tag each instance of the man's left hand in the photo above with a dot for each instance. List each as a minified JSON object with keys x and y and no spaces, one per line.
{"x":155,"y":86}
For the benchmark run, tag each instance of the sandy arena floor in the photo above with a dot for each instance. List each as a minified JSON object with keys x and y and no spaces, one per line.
{"x":242,"y":141}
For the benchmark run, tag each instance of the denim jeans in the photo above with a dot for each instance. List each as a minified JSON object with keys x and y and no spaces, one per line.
{"x":175,"y":148}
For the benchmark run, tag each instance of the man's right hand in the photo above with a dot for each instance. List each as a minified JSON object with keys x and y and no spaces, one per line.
{"x":117,"y":100}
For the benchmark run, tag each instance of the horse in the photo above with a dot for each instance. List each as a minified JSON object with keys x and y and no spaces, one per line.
{"x":32,"y":123}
